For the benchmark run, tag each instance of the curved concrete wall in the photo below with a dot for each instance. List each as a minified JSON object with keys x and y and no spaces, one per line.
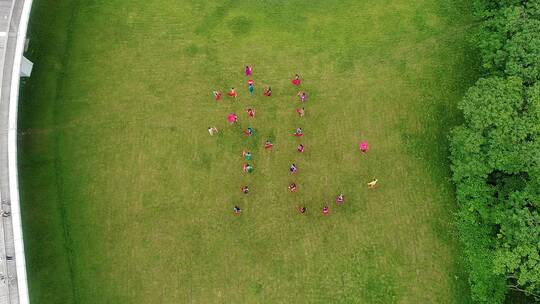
{"x":21,"y":26}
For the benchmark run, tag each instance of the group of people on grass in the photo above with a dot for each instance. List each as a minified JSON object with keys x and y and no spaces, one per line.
{"x":232,"y":118}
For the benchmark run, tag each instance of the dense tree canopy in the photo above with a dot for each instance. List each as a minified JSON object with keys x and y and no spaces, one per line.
{"x":496,"y":154}
{"x":509,"y":39}
{"x":495,"y":159}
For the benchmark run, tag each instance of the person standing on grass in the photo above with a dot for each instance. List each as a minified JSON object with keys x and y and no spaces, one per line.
{"x":300,"y":148}
{"x":301,"y":112}
{"x":248,"y":70}
{"x":232,"y":93}
{"x":251,"y":113}
{"x":251,"y":88}
{"x":268,"y":92}
{"x":340,"y":199}
{"x":296,"y":81}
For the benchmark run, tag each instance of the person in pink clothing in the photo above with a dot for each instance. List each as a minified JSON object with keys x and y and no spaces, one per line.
{"x":232,"y":118}
{"x":248,"y":70}
{"x":363,"y":146}
{"x":302,"y":95}
{"x":300,"y":148}
{"x":340,"y":199}
{"x":325,"y":210}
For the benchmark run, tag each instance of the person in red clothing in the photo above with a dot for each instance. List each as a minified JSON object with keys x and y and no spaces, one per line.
{"x":300,"y":148}
{"x":248,"y":132}
{"x":268,"y":145}
{"x":301,"y":112}
{"x":296,"y":81}
{"x":251,"y":113}
{"x":232,"y":93}
{"x":268,"y":92}
{"x":302,"y":209}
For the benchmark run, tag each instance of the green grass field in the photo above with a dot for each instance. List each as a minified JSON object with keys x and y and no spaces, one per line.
{"x":127,"y":199}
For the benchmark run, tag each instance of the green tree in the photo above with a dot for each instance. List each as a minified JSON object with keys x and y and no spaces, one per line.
{"x":495,"y":157}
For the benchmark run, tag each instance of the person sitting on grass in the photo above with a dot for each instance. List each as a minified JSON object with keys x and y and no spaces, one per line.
{"x":232,"y":118}
{"x":292,"y":187}
{"x":268,"y":145}
{"x":363,"y":146}
{"x":232,"y":93}
{"x":247,"y":168}
{"x":268,"y":92}
{"x":301,"y":112}
{"x":302,"y":209}
{"x":340,"y":199}
{"x":298,"y":132}
{"x":212,"y":131}
{"x":237,"y":210}
{"x":217,"y":95}
{"x":245,"y":189}
{"x":246,"y":155}
{"x":325,"y":210}
{"x":248,"y":131}
{"x":302,"y":95}
{"x":293,"y":168}
{"x":251,"y":113}
{"x":300,"y":148}
{"x":296,"y":81}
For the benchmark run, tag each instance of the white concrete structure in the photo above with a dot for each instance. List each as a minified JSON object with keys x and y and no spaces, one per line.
{"x":14,"y":16}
